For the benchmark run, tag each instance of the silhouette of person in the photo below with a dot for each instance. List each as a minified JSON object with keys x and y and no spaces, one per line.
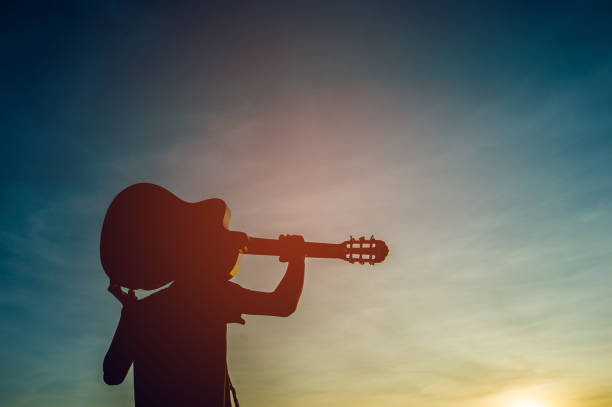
{"x":176,"y":337}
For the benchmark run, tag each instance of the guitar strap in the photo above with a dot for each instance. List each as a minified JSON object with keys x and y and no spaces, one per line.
{"x":231,"y":388}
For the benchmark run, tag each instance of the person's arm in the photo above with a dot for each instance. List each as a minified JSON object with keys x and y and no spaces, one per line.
{"x":118,"y":359}
{"x":284,"y":299}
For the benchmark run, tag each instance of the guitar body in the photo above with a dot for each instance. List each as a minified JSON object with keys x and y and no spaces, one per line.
{"x":149,"y":235}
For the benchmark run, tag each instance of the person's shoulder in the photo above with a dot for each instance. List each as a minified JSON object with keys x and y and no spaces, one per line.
{"x":232,"y":288}
{"x":159,"y":294}
{"x":231,"y":285}
{"x":154,"y":300}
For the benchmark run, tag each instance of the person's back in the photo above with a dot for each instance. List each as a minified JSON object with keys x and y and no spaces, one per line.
{"x":179,"y":347}
{"x":176,"y":337}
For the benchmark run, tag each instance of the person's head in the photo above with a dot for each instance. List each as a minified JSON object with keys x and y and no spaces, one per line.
{"x":218,"y":259}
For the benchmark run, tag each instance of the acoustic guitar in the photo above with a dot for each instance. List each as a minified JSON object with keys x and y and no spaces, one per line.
{"x":149,"y":233}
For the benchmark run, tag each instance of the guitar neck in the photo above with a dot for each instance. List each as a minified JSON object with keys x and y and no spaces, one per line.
{"x":272,"y":247}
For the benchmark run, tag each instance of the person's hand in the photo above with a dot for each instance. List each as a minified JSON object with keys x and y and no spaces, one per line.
{"x":293,"y":248}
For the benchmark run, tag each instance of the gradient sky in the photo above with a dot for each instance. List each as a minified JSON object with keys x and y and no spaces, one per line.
{"x":476,"y":139}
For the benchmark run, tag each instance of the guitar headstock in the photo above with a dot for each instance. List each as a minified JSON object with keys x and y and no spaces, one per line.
{"x":364,"y":250}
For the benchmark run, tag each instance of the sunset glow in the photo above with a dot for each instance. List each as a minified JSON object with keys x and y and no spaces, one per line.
{"x":474,"y":138}
{"x":528,"y":404}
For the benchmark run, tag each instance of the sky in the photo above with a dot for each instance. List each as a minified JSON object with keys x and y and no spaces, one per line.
{"x":474,"y":138}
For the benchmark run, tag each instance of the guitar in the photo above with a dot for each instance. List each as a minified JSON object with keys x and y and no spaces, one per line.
{"x":148,"y":233}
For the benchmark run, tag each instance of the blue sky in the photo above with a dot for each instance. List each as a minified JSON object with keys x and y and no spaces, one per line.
{"x":474,"y":138}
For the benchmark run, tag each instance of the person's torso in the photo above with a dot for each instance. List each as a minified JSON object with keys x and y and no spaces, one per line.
{"x":180,"y":350}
